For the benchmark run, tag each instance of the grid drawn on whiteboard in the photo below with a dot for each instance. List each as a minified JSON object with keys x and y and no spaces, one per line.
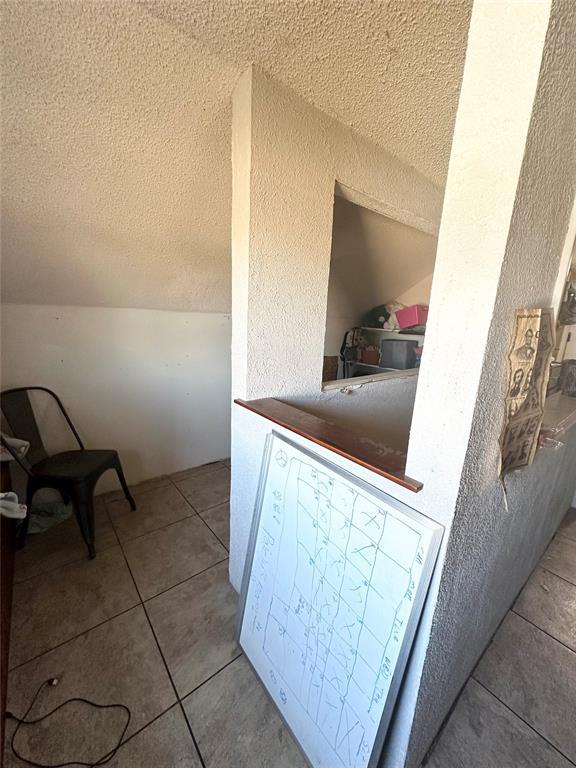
{"x":333,"y":628}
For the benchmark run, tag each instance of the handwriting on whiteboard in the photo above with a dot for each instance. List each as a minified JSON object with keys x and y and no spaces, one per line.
{"x":333,"y":579}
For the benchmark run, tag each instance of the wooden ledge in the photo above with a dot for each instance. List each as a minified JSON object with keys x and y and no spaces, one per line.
{"x":364,"y":451}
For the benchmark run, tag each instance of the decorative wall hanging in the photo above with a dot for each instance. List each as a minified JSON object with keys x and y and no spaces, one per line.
{"x":529,"y":360}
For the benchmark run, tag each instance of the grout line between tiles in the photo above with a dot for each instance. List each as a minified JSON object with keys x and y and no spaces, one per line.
{"x":212,"y":676}
{"x":226,"y":501}
{"x":133,"y":490}
{"x":109,"y":518}
{"x":199,"y":474}
{"x":526,"y":723}
{"x":214,"y":532}
{"x":194,"y":740}
{"x":161,"y":527}
{"x":156,"y":717}
{"x":544,"y":568}
{"x":212,"y":506}
{"x":194,"y":512}
{"x":203,"y":764}
{"x":188,"y":578}
{"x":536,"y":626}
{"x":115,"y":533}
{"x":63,"y":565}
{"x":218,"y":465}
{"x":185,"y":499}
{"x":116,"y":615}
{"x":141,"y":601}
{"x":75,"y":637}
{"x":214,"y":466}
{"x":71,"y":562}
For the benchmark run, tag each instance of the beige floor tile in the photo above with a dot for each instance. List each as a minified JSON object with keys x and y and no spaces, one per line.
{"x":560,"y":558}
{"x":135,"y":490}
{"x":237,"y":726}
{"x":51,"y":608}
{"x":116,"y":662}
{"x":195,"y":471}
{"x":568,"y":527}
{"x":163,"y":558}
{"x":61,"y":545}
{"x":54,"y":741}
{"x":550,"y":602}
{"x":482,"y":733}
{"x":165,"y":743}
{"x":207,"y":490}
{"x":535,"y":676}
{"x":155,"y":509}
{"x":195,"y":627}
{"x":218,"y":519}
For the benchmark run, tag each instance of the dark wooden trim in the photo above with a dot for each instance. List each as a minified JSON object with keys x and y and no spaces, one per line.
{"x":368,"y":453}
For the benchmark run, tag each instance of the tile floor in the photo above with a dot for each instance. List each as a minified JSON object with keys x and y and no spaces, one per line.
{"x":518,"y":708}
{"x":150,"y":623}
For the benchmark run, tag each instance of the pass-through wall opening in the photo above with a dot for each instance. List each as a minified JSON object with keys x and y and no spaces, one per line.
{"x":378,"y":296}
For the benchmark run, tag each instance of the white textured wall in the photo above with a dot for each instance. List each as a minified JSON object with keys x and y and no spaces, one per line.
{"x":499,"y":248}
{"x":116,"y":129}
{"x":381,"y":410}
{"x":152,"y":384}
{"x":116,"y":195}
{"x":115,"y":160}
{"x":116,"y":134}
{"x":510,"y":213}
{"x":382,"y":68}
{"x":297,"y":154}
{"x":282,"y":226}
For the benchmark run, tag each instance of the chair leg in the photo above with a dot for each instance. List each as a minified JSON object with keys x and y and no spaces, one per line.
{"x":83,"y":500}
{"x":124,"y":484}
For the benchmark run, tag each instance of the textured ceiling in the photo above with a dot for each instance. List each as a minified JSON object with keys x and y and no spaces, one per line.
{"x":117,"y":119}
{"x":390,"y":70}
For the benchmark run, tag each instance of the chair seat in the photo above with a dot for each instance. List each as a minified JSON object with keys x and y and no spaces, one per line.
{"x":74,"y":465}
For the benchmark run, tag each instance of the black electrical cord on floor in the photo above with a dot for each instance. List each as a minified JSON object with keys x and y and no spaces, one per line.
{"x":23,"y":721}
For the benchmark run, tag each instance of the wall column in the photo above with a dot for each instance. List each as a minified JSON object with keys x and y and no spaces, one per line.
{"x":508,"y":201}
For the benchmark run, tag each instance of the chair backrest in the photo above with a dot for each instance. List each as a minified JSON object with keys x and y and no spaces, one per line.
{"x":19,"y":414}
{"x":17,"y":410}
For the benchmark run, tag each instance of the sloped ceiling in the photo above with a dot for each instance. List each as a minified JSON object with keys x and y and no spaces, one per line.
{"x":389,"y":70}
{"x":374,"y":260}
{"x":117,"y":118}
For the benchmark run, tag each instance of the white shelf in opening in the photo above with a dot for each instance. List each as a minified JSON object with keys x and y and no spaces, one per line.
{"x":394,"y":334}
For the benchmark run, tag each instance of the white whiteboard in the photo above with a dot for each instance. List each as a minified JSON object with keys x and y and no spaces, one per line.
{"x":334,"y":583}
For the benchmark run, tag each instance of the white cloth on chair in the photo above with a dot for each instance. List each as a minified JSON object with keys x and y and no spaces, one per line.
{"x":10,"y":507}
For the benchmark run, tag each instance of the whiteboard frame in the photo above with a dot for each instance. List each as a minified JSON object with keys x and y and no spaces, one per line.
{"x":437,"y":533}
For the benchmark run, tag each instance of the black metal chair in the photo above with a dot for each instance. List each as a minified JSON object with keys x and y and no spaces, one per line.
{"x":73,"y":473}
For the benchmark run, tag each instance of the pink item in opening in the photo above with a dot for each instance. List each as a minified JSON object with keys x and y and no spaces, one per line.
{"x":408,"y":317}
